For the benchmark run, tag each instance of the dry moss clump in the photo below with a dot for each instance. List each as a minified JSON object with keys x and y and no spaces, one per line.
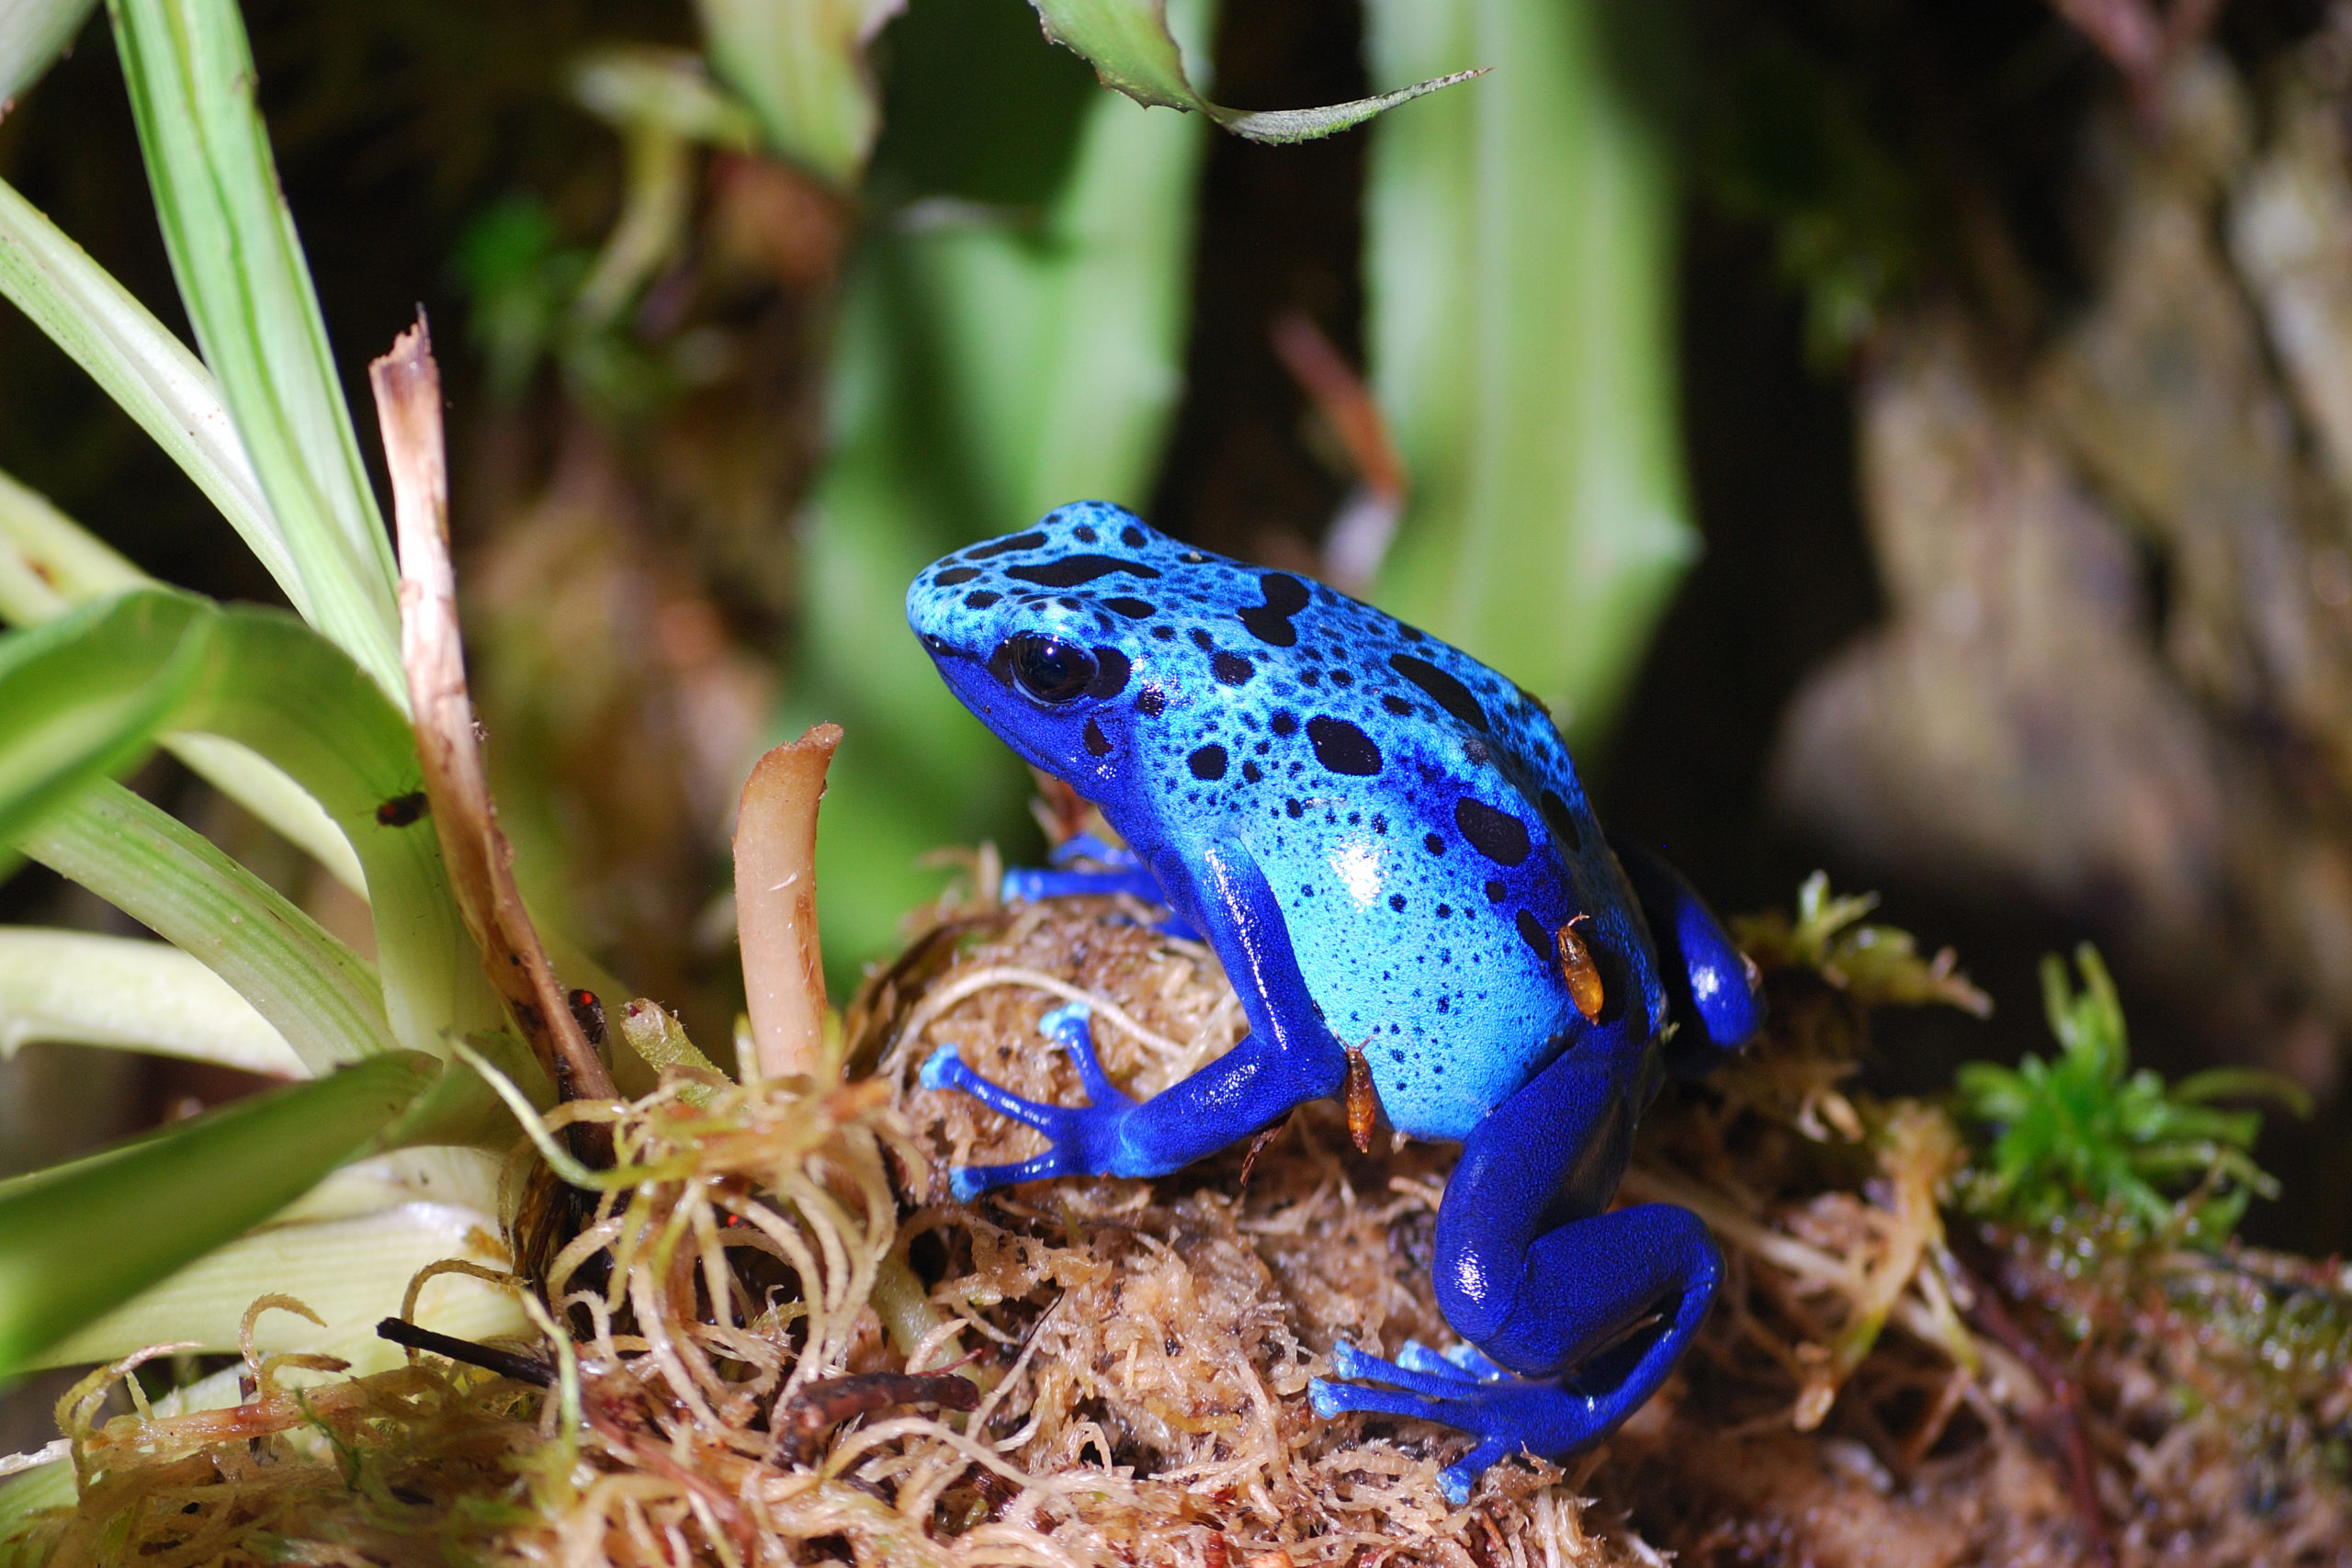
{"x":776,"y":1337}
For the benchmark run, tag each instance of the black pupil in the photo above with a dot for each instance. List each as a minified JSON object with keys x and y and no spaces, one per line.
{"x":1050,"y":670}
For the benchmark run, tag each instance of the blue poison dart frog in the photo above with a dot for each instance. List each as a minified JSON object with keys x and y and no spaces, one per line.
{"x":1386,"y":844}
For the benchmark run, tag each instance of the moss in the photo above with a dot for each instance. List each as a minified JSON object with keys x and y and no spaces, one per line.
{"x":1886,"y":1378}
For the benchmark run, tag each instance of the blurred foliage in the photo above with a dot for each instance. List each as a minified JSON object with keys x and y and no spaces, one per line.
{"x":1877,"y":966}
{"x":800,"y":66}
{"x":1794,"y":149}
{"x":1010,"y":339}
{"x":1007,"y":328}
{"x":2084,"y":1130}
{"x":1519,"y":243}
{"x":1891,"y":149}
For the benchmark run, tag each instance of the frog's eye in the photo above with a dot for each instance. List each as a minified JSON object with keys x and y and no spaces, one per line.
{"x":1050,"y":670}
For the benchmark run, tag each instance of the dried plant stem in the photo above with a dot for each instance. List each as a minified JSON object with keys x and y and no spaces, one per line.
{"x":408,"y":406}
{"x":775,"y":903}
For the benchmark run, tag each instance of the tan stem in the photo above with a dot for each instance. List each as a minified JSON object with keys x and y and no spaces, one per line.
{"x":480,"y":862}
{"x":775,"y":903}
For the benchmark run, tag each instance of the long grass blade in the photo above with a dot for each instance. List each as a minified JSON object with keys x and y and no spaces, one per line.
{"x":50,"y":565}
{"x":79,"y":988}
{"x":262,"y":788}
{"x":320,"y":996}
{"x":78,"y":1240}
{"x":247,"y":288}
{"x":149,"y":373}
{"x":33,"y":33}
{"x":85,"y":695}
{"x":352,"y":1270}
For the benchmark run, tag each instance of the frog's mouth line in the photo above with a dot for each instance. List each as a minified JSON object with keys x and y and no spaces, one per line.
{"x":989,"y":694}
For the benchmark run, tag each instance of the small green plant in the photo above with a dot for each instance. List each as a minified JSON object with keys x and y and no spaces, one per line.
{"x":1876,"y":965}
{"x":2084,"y":1130}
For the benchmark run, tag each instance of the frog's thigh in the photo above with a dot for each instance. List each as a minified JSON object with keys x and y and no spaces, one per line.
{"x":1527,"y":1269}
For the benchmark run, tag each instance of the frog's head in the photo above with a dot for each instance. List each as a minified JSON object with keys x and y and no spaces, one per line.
{"x":1044,"y":634}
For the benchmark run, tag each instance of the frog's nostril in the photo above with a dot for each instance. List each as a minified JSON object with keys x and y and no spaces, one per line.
{"x":937,"y":647}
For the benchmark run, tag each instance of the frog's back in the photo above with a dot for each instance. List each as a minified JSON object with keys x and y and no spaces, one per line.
{"x":1433,"y":840}
{"x":1414,"y":812}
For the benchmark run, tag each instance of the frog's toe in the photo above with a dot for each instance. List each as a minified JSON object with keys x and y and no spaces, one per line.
{"x":1416,"y":1357}
{"x":1460,"y":1408}
{"x":1465,"y":1390}
{"x":1068,"y":1026}
{"x":1449,"y":1400}
{"x":1423,"y":1374}
{"x":1471,"y":1360}
{"x":945,"y":1069}
{"x":968,"y":1181}
{"x":1456,"y":1479}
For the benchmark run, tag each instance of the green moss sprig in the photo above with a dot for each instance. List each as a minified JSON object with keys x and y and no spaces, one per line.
{"x":2084,"y":1130}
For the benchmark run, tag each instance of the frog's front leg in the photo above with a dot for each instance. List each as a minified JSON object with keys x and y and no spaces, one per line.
{"x":1117,"y":870}
{"x":1287,"y":1057}
{"x":1582,"y":1319}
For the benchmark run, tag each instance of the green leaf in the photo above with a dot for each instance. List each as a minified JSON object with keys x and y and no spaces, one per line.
{"x":150,"y":661}
{"x":663,"y":89}
{"x":76,"y":988}
{"x":49,"y":565}
{"x":351,"y":1269}
{"x":320,"y":996}
{"x":2087,"y":1130}
{"x":1521,"y":262}
{"x":83,"y":698}
{"x":661,"y":104}
{"x":800,"y":65}
{"x":989,"y":366}
{"x":1128,"y":44}
{"x":247,"y":289}
{"x":2244,"y":1083}
{"x":263,"y":789}
{"x":149,"y":373}
{"x":80,"y":1239}
{"x":33,"y":33}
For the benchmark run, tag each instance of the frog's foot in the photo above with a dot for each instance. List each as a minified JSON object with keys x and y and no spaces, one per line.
{"x":1085,"y":1138}
{"x":1468,"y":1393}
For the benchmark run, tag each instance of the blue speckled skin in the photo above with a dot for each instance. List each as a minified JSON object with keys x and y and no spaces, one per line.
{"x":1382,"y":839}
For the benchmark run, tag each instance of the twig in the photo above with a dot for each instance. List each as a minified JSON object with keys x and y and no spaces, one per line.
{"x":829,"y":1402}
{"x":1360,"y":535}
{"x":505,"y":1363}
{"x":408,"y":407}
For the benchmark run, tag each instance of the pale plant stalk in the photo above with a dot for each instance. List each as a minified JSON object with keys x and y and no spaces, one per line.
{"x":775,"y":903}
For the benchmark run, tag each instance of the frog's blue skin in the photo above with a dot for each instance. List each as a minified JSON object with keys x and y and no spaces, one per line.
{"x":1380,"y":836}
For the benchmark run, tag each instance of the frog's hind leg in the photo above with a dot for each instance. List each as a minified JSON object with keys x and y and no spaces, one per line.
{"x":1715,"y":993}
{"x":1583,"y":1313}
